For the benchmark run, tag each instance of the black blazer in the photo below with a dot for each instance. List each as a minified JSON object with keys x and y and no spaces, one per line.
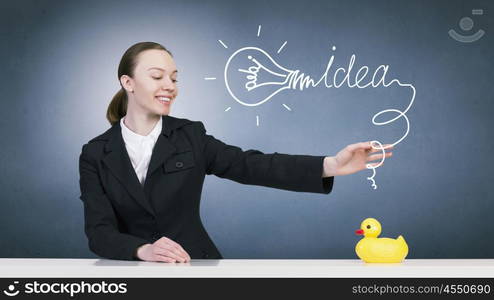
{"x":121,"y":215}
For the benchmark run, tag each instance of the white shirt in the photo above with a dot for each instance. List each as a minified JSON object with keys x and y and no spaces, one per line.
{"x":140,"y":148}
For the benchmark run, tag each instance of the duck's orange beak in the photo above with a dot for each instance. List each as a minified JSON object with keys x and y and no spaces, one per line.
{"x":359,"y":232}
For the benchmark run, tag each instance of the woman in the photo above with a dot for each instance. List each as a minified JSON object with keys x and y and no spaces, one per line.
{"x":141,"y":180}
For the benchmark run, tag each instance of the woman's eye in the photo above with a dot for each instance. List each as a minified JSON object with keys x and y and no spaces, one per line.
{"x":157,"y":78}
{"x":174,"y":80}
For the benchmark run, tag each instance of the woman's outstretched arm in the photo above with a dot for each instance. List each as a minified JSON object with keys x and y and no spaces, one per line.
{"x":301,"y":173}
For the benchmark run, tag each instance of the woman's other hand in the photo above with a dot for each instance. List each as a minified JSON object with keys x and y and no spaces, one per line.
{"x":354,"y":158}
{"x":164,"y":250}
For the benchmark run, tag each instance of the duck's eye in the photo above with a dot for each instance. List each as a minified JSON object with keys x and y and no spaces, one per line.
{"x":368,"y":226}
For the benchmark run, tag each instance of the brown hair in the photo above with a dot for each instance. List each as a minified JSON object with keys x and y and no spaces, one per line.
{"x":118,"y":105}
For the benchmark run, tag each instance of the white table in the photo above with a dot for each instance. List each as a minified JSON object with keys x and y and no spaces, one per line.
{"x":330,"y":268}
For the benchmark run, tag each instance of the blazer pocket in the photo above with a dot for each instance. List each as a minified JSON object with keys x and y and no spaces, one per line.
{"x":179,"y":162}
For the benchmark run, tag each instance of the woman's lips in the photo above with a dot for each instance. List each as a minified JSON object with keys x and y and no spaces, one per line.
{"x":164,"y":100}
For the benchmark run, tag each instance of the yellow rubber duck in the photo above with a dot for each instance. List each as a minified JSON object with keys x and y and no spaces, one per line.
{"x":379,"y":250}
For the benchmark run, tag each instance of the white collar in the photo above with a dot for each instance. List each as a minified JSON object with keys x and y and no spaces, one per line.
{"x":132,"y":137}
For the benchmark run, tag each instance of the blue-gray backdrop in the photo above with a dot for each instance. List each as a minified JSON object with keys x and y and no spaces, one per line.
{"x":59,"y":62}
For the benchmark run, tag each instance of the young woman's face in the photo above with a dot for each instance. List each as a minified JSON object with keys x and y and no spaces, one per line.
{"x":154,"y":82}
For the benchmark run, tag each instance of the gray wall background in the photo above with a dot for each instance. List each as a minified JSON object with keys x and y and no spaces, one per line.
{"x":59,"y":62}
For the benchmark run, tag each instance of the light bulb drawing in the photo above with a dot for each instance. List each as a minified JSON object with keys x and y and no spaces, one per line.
{"x":256,"y":64}
{"x":252,"y":77}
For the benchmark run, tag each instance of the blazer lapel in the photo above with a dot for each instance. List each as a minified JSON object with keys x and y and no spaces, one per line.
{"x":162,"y":150}
{"x":167,"y":143}
{"x":118,"y":161}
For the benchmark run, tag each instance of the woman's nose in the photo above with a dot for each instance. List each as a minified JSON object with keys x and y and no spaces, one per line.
{"x":168,"y":85}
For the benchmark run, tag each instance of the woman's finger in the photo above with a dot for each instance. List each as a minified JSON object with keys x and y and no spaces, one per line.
{"x":378,"y":156}
{"x":163,"y":258}
{"x":357,"y":146}
{"x":379,"y":150}
{"x":159,"y":254}
{"x":185,"y":252}
{"x":166,"y":241}
{"x":165,"y":244}
{"x":170,"y":252}
{"x":177,"y":245}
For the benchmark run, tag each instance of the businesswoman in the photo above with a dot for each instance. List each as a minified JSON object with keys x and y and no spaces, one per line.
{"x":141,"y":180}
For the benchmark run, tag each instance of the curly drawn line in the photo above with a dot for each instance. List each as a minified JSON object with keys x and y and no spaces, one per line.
{"x":373,"y":168}
{"x":400,"y":115}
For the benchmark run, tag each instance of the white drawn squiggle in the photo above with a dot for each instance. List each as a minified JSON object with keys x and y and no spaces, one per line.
{"x":400,"y":114}
{"x":373,"y":168}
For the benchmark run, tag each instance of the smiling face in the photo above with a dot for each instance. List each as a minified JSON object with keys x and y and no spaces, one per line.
{"x":153,"y":87}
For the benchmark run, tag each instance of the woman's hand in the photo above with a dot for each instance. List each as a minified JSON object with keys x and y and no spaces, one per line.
{"x":164,"y":250}
{"x":354,"y":158}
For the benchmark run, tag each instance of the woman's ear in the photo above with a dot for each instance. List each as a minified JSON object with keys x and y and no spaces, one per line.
{"x":127,"y":83}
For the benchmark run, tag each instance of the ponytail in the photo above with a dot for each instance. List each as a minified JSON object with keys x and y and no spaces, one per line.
{"x":117,"y":108}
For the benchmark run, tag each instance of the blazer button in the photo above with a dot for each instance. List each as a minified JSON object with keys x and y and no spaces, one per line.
{"x":205,"y":255}
{"x":179,"y":164}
